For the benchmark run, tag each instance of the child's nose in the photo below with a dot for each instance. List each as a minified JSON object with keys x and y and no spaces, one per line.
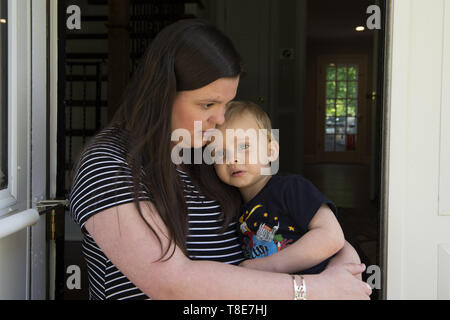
{"x":237,"y":158}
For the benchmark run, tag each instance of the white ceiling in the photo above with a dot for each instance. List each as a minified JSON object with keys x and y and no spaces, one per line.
{"x":337,"y":18}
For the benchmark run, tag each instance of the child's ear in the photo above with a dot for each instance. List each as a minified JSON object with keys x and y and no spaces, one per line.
{"x":274,"y":150}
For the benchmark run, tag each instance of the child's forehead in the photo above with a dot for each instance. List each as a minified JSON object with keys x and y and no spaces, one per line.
{"x":243,"y":121}
{"x":237,"y":131}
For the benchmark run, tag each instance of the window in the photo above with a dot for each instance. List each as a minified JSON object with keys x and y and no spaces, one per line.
{"x":341,"y":107}
{"x":3,"y":96}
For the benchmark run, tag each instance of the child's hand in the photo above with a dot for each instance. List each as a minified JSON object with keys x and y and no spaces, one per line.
{"x":244,"y":263}
{"x":262,"y":264}
{"x":254,"y":264}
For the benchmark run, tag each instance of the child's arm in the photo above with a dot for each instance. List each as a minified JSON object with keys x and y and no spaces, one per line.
{"x":347,"y":254}
{"x":323,"y":239}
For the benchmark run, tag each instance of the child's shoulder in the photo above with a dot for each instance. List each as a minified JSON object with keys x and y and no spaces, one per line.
{"x":290,"y":180}
{"x":292,"y":185}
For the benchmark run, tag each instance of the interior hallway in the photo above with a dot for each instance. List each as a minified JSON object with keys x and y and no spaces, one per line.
{"x":348,"y":187}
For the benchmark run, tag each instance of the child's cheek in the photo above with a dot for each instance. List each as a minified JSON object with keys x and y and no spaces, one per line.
{"x":220,"y":170}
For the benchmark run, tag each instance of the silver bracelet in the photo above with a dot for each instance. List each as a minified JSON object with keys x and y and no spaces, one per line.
{"x":299,"y":291}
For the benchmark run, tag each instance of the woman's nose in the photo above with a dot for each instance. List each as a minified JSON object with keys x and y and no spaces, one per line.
{"x":219,"y":116}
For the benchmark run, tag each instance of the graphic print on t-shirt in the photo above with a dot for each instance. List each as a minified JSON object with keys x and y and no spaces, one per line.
{"x":260,"y":228}
{"x":279,"y":215}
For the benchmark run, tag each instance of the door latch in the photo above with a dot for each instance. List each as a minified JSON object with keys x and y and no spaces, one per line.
{"x":46,"y":206}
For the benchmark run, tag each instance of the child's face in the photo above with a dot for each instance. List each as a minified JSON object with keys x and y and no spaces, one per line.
{"x":243,"y":168}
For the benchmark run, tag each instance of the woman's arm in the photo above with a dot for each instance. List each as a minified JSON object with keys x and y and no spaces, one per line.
{"x":323,"y":239}
{"x":128,"y":242}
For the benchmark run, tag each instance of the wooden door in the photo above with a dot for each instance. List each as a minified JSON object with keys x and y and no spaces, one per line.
{"x":342,"y":111}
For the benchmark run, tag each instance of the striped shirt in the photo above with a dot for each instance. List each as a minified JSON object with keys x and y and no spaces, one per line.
{"x":102,"y":180}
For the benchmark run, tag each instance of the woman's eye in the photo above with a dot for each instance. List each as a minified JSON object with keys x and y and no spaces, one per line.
{"x":208,"y":105}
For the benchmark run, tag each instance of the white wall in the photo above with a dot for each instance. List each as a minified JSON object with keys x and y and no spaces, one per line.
{"x":419,"y":152}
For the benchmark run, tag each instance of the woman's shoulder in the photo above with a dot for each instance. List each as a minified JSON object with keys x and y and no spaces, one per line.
{"x":104,"y":153}
{"x":110,"y":141}
{"x":109,"y":144}
{"x":102,"y":178}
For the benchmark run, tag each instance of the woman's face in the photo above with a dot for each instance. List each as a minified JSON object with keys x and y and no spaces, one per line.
{"x":206,"y":105}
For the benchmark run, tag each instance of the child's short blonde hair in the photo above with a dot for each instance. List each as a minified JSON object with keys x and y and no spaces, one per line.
{"x":239,"y":108}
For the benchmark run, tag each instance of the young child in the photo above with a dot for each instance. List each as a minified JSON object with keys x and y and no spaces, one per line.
{"x":286,"y":223}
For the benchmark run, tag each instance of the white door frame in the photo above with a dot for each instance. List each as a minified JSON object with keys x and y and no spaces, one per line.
{"x":418,"y":151}
{"x":39,"y":86}
{"x":15,"y":248}
{"x":23,"y":253}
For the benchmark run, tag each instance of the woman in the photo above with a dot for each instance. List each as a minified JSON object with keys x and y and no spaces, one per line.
{"x":152,"y":229}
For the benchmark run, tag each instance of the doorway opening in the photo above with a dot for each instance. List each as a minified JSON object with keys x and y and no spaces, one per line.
{"x":319,"y":79}
{"x":344,"y":112}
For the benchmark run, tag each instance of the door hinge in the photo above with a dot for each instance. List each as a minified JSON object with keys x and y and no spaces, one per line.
{"x":55,"y":219}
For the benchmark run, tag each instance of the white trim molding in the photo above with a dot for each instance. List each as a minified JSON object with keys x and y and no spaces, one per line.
{"x":414,"y":227}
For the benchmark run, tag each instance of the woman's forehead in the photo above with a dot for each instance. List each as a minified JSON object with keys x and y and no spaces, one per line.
{"x":221,"y":90}
{"x":203,"y":95}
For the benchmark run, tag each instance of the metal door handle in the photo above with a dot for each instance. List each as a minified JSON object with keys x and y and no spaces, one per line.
{"x":18,"y":221}
{"x":46,"y":206}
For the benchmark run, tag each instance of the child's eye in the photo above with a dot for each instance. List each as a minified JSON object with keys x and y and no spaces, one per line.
{"x":244,"y":146}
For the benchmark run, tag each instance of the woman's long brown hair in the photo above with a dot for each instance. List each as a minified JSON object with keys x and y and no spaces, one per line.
{"x":186,"y":55}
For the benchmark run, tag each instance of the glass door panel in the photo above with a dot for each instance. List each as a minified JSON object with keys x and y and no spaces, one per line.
{"x":341,"y":95}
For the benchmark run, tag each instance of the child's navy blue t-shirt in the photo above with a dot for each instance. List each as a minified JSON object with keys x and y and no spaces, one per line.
{"x":279,"y":215}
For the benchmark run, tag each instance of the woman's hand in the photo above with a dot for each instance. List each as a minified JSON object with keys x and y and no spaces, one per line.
{"x":338,"y":282}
